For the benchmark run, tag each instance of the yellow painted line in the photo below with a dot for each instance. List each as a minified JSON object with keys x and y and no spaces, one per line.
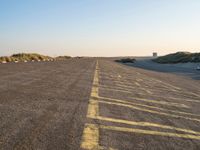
{"x":145,"y":124}
{"x":116,"y":90}
{"x":162,"y":102}
{"x":117,"y":87}
{"x":93,"y":109}
{"x":95,"y":90}
{"x":148,"y":106}
{"x":90,"y":139}
{"x":149,"y":111}
{"x":176,"y":98}
{"x":107,"y":78}
{"x":158,"y":96}
{"x":139,"y":80}
{"x":167,"y":84}
{"x":131,"y":86}
{"x":158,"y":102}
{"x":181,"y":99}
{"x":115,"y":79}
{"x":188,"y":94}
{"x":150,"y":132}
{"x":149,"y":92}
{"x":109,"y":88}
{"x":120,"y":88}
{"x":197,"y":95}
{"x":149,"y":100}
{"x":177,"y":92}
{"x":136,"y":83}
{"x":124,"y":82}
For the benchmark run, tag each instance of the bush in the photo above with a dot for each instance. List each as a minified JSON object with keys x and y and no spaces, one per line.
{"x":63,"y":57}
{"x":126,"y":60}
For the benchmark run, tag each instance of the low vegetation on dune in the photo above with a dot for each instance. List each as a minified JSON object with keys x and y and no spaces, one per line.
{"x":179,"y":57}
{"x":63,"y":57}
{"x":24,"y":57}
{"x":126,"y":60}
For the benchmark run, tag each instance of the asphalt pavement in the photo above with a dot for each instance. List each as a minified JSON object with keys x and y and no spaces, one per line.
{"x":96,"y":104}
{"x":183,"y":69}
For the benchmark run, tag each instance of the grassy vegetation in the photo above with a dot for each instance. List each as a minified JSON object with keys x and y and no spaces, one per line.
{"x":63,"y":57}
{"x":22,"y":57}
{"x":25,"y":57}
{"x":179,"y":57}
{"x":126,"y":60}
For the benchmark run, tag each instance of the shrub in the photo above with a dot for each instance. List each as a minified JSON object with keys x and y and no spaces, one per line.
{"x":126,"y":60}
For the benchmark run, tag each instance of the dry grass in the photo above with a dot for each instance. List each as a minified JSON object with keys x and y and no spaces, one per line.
{"x":179,"y":57}
{"x":63,"y":57}
{"x":25,"y":57}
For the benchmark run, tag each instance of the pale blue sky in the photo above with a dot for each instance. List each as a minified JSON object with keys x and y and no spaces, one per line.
{"x":99,"y":27}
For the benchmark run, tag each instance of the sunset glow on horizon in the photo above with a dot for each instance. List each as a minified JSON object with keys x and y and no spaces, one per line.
{"x":99,"y":27}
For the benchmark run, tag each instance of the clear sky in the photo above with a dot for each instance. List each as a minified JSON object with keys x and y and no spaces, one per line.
{"x":99,"y":27}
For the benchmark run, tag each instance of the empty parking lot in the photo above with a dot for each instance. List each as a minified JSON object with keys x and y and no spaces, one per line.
{"x":93,"y":104}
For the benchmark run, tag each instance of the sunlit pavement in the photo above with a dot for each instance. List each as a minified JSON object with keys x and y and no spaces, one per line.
{"x":96,"y":104}
{"x":129,"y":110}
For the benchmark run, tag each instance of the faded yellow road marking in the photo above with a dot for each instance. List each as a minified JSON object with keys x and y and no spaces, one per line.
{"x":149,"y":92}
{"x":167,"y":85}
{"x":93,"y":109}
{"x":139,"y":80}
{"x":149,"y":111}
{"x":160,"y":102}
{"x":197,"y":95}
{"x":122,"y":88}
{"x":188,"y":94}
{"x":169,"y":97}
{"x":150,"y":132}
{"x":132,"y":88}
{"x":145,"y":124}
{"x":148,"y":106}
{"x":94,"y":90}
{"x":116,"y":90}
{"x":153,"y":80}
{"x":90,"y":139}
{"x":136,"y":83}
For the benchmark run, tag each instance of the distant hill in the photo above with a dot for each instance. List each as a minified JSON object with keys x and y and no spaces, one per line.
{"x":24,"y":57}
{"x":179,"y":57}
